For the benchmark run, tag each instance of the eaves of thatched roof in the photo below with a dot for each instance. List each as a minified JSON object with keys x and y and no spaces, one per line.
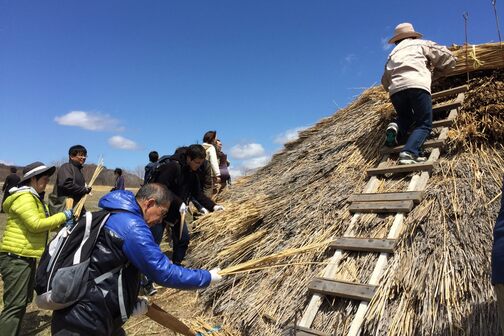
{"x":437,"y":282}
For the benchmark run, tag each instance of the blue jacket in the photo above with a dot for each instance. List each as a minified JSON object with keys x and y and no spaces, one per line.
{"x":141,"y":249}
{"x":498,"y":247}
{"x":125,"y":242}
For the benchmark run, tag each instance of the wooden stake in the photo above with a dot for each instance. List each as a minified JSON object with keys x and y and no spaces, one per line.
{"x":167,"y":320}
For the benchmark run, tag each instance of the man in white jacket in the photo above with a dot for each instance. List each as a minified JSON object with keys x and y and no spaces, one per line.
{"x":407,"y":78}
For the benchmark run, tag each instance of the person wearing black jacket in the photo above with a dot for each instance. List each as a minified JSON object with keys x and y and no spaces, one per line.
{"x":10,"y":181}
{"x":70,"y":181}
{"x":179,"y":174}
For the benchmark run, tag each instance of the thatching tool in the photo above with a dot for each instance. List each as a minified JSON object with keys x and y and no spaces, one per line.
{"x":182,"y":221}
{"x":80,"y":204}
{"x":69,"y":203}
{"x":169,"y":321}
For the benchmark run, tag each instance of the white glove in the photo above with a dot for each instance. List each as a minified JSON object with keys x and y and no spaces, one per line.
{"x":141,"y":307}
{"x":214,"y":273}
{"x":218,"y":208}
{"x":205,"y":211}
{"x":183,"y":208}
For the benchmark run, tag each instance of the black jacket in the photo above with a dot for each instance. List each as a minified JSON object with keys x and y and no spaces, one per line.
{"x":70,"y":181}
{"x":184,"y":183}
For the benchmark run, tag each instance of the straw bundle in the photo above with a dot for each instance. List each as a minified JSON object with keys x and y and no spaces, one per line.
{"x":437,"y":282}
{"x":80,"y":205}
{"x":470,"y":58}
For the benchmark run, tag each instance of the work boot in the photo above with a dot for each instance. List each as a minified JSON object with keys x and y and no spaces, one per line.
{"x":408,"y":158}
{"x":391,"y":135}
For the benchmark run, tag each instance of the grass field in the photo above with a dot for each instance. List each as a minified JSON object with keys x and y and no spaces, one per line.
{"x":37,"y":322}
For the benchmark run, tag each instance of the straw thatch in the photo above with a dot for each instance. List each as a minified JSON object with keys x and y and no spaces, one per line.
{"x":437,"y":282}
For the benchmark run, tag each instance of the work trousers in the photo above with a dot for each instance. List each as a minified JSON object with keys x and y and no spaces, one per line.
{"x":18,"y":275}
{"x":414,"y":109}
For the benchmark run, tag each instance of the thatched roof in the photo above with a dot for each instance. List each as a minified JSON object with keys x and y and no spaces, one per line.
{"x":437,"y":282}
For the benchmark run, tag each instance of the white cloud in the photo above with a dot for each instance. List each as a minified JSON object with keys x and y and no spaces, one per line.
{"x":384,"y":43}
{"x":289,"y":135}
{"x":255,"y":163}
{"x":349,"y":58}
{"x":89,"y":121}
{"x":120,"y":142}
{"x":235,"y":172}
{"x":247,"y":151}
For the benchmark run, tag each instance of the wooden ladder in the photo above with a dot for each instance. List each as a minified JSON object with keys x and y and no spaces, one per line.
{"x":369,"y":201}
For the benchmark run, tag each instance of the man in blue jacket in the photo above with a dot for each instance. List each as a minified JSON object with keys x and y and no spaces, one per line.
{"x":498,"y":263}
{"x":126,"y":243}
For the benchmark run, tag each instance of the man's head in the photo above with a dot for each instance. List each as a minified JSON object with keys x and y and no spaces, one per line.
{"x":118,"y":171}
{"x":154,"y":200}
{"x":78,"y":154}
{"x":195,"y":156}
{"x":13,"y":170}
{"x":153,"y":156}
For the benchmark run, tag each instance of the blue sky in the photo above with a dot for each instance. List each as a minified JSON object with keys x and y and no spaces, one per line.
{"x":126,"y":77}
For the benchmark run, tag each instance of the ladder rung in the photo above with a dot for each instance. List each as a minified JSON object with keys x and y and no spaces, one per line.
{"x":301,"y":331}
{"x":415,"y":196}
{"x":434,"y":143}
{"x":449,"y":92}
{"x":342,"y":289}
{"x":449,"y":105}
{"x":424,"y":166}
{"x":381,"y":207}
{"x":364,"y":244}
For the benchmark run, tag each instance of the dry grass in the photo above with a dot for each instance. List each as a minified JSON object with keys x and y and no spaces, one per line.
{"x":437,"y":282}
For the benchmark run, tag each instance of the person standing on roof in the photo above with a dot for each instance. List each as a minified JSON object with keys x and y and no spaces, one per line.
{"x":126,"y":242}
{"x":407,"y":78}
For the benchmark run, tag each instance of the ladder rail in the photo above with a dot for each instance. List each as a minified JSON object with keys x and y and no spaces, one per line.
{"x":418,"y":182}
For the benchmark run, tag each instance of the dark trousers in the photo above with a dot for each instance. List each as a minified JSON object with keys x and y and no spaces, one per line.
{"x":414,"y":109}
{"x":18,"y":276}
{"x":181,"y":245}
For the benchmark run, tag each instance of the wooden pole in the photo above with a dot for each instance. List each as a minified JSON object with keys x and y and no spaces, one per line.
{"x":169,"y":321}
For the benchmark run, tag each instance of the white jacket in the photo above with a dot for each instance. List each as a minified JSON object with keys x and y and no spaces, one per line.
{"x":410,"y":63}
{"x":211,"y":156}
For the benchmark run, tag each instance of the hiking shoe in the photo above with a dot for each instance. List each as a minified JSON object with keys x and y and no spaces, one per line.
{"x":391,"y":135}
{"x":408,"y":158}
{"x":149,"y":289}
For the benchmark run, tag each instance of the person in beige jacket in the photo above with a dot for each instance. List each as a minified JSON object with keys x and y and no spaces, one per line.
{"x":407,"y":77}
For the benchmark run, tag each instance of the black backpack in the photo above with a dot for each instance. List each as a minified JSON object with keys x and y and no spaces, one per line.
{"x":63,"y":272}
{"x":158,"y":166}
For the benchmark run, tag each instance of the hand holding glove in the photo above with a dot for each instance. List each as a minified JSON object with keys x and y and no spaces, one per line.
{"x":215,"y":276}
{"x":218,"y":207}
{"x":183,"y":208}
{"x":141,"y":306}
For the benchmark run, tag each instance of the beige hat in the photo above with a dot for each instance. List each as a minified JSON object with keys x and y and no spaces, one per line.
{"x":402,"y":31}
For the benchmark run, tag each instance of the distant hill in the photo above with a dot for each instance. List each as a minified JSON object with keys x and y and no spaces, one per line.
{"x":106,"y":177}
